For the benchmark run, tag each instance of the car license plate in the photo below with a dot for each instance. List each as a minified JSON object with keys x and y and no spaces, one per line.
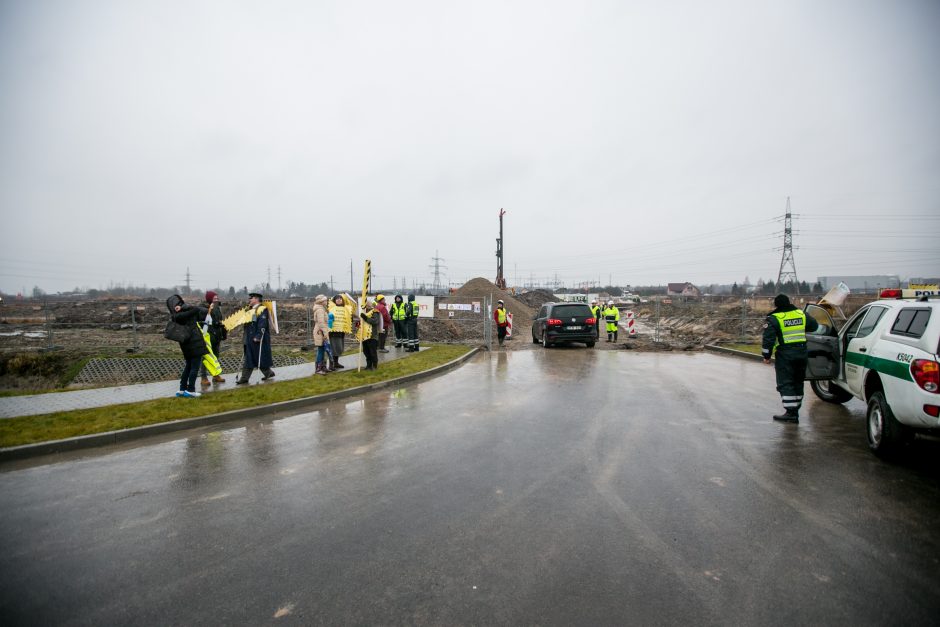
{"x":573,"y":327}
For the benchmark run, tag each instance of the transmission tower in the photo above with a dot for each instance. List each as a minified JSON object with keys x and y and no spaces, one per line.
{"x":436,"y":266}
{"x":787,"y":266}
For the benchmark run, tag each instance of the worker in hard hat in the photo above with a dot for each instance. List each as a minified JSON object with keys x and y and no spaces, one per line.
{"x":501,"y":317}
{"x":596,"y":310}
{"x":612,"y":316}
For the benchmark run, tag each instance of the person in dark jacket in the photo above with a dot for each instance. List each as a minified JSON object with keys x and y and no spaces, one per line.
{"x":194,"y":347}
{"x":257,"y":341}
{"x":368,"y":334}
{"x":411,"y":321}
{"x":785,"y":329}
{"x":399,"y":315}
{"x":212,"y":324}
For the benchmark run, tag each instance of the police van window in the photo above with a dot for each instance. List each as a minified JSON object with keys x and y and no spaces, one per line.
{"x":911,"y":322}
{"x":871,"y":319}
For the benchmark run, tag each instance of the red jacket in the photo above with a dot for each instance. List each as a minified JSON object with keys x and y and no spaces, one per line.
{"x":383,"y":311}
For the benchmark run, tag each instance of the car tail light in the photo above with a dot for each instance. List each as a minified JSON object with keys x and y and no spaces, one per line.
{"x":932,"y":410}
{"x":591,"y":321}
{"x":553,"y":322}
{"x":927,"y":374}
{"x":890,"y":294}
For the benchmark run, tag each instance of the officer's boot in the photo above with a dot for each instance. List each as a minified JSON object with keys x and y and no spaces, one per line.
{"x":268,"y":374}
{"x":243,"y":379}
{"x":790,"y":415}
{"x":615,"y":335}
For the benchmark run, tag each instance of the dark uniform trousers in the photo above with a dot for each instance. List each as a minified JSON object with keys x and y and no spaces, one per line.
{"x":401,"y":335}
{"x":790,"y":367}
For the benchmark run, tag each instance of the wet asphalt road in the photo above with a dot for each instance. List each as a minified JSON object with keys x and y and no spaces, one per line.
{"x":565,"y":486}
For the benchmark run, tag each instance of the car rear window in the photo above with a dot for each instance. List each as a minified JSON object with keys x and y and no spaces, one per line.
{"x":911,"y":322}
{"x":571,"y":310}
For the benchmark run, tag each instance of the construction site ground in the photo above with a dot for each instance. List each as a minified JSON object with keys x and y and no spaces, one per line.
{"x":42,"y":345}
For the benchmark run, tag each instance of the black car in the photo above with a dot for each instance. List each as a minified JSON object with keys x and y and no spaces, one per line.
{"x":564,"y":322}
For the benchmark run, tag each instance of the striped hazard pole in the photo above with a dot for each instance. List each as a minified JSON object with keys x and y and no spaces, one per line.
{"x":630,"y":323}
{"x":509,"y":326}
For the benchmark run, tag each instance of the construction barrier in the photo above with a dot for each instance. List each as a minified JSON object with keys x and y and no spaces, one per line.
{"x":629,"y":322}
{"x":509,"y":325}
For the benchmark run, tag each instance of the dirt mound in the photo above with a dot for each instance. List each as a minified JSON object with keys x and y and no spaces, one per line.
{"x":480,"y":287}
{"x":536,"y":298}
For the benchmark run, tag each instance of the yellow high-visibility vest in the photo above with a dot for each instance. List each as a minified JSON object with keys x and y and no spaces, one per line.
{"x":792,"y":326}
{"x":398,"y":311}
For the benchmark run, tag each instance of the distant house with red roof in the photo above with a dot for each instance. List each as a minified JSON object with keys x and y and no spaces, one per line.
{"x":686,"y":291}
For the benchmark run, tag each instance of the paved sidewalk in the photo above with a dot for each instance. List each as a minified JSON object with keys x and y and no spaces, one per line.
{"x":13,"y":406}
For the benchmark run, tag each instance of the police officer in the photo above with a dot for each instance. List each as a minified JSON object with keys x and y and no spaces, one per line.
{"x":596,"y":312}
{"x":785,"y":329}
{"x":411,"y":324}
{"x":399,"y":317}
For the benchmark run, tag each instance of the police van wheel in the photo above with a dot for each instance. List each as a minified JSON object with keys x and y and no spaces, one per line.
{"x":885,"y":434}
{"x":829,"y":392}
{"x":535,"y":340}
{"x":590,"y":344}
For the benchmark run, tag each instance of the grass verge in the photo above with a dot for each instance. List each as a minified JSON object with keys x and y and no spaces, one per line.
{"x":59,"y":425}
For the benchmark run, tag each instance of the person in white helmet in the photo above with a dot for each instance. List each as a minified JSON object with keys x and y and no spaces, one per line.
{"x":501,"y":317}
{"x":596,"y":311}
{"x":612,"y":316}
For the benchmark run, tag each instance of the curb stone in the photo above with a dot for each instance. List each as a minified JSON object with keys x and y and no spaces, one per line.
{"x":277,"y":410}
{"x":737,"y":353}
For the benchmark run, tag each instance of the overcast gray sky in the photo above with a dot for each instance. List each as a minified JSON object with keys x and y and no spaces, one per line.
{"x":638,"y":142}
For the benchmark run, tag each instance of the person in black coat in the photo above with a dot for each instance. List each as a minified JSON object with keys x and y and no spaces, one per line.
{"x":193,"y":347}
{"x":257,"y":342}
{"x":785,"y":329}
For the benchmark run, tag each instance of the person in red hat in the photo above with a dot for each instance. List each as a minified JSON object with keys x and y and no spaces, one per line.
{"x":213,"y":325}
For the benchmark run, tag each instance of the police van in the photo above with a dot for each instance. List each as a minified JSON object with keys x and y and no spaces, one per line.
{"x":886,"y":355}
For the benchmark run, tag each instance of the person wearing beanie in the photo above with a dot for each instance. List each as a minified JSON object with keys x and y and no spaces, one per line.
{"x":412,"y":311}
{"x":399,"y":317}
{"x":785,"y":329}
{"x":212,"y":324}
